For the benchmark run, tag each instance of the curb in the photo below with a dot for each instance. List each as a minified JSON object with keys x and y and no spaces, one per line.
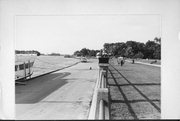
{"x":144,"y":63}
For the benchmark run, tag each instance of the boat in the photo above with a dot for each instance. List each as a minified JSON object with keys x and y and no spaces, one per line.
{"x":23,"y":70}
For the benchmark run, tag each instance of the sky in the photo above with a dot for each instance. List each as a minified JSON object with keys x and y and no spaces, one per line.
{"x":68,"y":33}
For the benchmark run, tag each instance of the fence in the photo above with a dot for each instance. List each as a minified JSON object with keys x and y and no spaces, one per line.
{"x":100,"y":107}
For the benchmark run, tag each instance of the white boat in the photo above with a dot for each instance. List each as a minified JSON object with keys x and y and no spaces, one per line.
{"x":23,"y":70}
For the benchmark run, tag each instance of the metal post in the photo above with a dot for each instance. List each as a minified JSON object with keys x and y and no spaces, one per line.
{"x":29,"y":66}
{"x":106,"y":79}
{"x":24,"y":70}
{"x":102,"y":80}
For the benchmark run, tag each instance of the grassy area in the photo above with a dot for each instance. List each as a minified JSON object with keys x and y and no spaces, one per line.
{"x":148,"y":61}
{"x":134,"y":91}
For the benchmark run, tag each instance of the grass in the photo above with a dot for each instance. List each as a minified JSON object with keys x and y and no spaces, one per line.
{"x":149,"y":61}
{"x":134,"y":91}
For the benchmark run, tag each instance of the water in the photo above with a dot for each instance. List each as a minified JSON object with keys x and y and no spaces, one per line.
{"x":44,"y":64}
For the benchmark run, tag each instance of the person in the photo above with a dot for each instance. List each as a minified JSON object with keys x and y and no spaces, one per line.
{"x":122,"y":62}
{"x":119,"y":59}
{"x":133,"y":61}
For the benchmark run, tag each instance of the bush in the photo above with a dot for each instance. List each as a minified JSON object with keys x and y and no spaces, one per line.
{"x":139,"y":55}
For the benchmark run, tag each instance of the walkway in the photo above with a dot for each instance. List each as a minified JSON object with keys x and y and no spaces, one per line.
{"x":65,"y":94}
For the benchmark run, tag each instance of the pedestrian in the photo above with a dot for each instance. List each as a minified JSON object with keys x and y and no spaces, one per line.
{"x":118,"y":61}
{"x":133,"y":61}
{"x":122,"y":62}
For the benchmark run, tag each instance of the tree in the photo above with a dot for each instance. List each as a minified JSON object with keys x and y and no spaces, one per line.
{"x":38,"y":53}
{"x":129,"y":52}
{"x":28,"y":52}
{"x":130,"y":49}
{"x":92,"y":53}
{"x":55,"y":54}
{"x":138,"y":55}
{"x":109,"y":48}
{"x":77,"y":53}
{"x":158,"y":40}
{"x":149,"y":49}
{"x":84,"y":52}
{"x":157,"y":53}
{"x":134,"y":46}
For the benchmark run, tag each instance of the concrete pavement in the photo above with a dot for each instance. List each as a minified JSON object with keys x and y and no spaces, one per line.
{"x":65,"y":94}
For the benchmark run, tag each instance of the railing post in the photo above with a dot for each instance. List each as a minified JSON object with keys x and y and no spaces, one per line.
{"x":29,"y":66}
{"x":103,"y":91}
{"x":24,"y":70}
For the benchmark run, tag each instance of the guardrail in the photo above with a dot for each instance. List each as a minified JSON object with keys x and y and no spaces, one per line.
{"x":100,"y":106}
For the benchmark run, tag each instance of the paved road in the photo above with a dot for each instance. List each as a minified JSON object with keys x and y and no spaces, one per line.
{"x":64,"y":94}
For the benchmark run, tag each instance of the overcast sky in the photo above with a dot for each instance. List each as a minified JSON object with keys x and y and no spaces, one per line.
{"x":66,"y":34}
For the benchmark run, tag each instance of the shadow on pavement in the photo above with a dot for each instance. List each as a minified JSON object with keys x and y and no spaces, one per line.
{"x":39,"y":88}
{"x":125,"y":104}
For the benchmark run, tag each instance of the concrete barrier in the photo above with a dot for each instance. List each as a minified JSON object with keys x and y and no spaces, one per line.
{"x":100,"y":96}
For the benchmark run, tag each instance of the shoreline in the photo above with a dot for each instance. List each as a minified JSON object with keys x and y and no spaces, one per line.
{"x":47,"y":64}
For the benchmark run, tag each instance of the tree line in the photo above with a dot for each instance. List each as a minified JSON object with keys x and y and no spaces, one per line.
{"x":28,"y":52}
{"x":130,"y":49}
{"x":86,"y":52}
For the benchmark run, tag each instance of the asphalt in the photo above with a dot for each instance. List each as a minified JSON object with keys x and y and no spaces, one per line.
{"x":65,"y":94}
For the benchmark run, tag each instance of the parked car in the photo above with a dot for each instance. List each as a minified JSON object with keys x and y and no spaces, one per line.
{"x":83,"y":59}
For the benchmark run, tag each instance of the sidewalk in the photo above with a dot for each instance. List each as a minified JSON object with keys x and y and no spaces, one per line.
{"x":64,"y":94}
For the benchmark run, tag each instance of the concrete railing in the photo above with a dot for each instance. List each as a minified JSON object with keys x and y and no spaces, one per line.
{"x":100,"y":107}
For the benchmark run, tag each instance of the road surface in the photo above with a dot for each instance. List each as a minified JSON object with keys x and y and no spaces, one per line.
{"x":65,"y":94}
